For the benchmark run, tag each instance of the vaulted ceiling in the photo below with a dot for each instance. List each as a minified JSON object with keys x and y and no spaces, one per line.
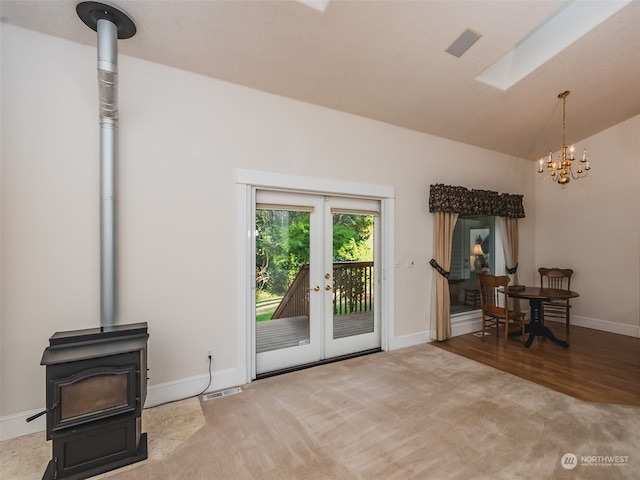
{"x":386,"y":60}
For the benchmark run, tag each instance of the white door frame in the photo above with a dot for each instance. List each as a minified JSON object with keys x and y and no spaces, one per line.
{"x":247,"y":182}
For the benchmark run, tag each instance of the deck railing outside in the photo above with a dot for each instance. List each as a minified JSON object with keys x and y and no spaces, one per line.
{"x":353,"y":286}
{"x":296,"y":299}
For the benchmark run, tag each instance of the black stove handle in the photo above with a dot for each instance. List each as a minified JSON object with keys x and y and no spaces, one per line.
{"x":33,"y":417}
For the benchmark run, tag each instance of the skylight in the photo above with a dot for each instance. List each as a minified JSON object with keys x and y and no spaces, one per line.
{"x":319,"y":5}
{"x":559,"y":31}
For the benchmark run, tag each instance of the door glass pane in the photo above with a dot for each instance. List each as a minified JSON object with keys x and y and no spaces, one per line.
{"x":353,"y":282}
{"x":282,"y":279}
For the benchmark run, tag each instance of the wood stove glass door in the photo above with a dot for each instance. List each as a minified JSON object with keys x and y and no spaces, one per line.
{"x":77,"y":401}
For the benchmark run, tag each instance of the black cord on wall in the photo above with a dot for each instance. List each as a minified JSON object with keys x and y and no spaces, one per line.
{"x":208,"y":384}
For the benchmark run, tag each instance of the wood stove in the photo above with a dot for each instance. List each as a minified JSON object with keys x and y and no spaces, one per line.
{"x":97,"y":378}
{"x":96,"y":389}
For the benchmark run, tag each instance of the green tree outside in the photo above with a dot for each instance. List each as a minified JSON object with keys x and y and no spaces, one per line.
{"x":282,"y":246}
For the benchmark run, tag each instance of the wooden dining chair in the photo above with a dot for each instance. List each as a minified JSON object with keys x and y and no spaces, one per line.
{"x":559,"y":278}
{"x":494,"y":304}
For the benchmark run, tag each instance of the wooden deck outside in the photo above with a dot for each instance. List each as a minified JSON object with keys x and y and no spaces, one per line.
{"x":294,"y":331}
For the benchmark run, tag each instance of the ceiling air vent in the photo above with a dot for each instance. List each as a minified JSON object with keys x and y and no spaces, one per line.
{"x":463,"y":43}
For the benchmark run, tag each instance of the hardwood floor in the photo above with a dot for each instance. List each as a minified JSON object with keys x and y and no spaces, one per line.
{"x":597,"y":367}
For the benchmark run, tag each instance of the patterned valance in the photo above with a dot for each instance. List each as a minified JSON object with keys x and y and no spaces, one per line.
{"x":449,"y":198}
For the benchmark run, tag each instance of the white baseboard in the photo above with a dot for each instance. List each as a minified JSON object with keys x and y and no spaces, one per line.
{"x":459,"y":326}
{"x":409,"y":340}
{"x":15,"y":425}
{"x":191,"y":386}
{"x":466,"y":325}
{"x":463,"y":325}
{"x":603,"y":325}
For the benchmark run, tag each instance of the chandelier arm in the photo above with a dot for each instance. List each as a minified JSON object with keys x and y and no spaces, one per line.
{"x":578,"y":176}
{"x":575,"y":176}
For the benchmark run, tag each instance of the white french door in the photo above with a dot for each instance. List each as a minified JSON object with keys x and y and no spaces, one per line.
{"x":351,"y":313}
{"x":317,"y":278}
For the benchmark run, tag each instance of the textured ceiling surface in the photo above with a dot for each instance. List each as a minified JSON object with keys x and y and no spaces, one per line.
{"x":386,"y":60}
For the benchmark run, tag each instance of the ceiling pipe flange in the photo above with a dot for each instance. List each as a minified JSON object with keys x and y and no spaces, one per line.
{"x":91,"y":12}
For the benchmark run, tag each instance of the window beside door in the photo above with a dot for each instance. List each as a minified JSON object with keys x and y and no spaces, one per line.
{"x":473,"y":252}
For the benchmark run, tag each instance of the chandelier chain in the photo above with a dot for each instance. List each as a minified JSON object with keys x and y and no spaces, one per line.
{"x":564,"y":119}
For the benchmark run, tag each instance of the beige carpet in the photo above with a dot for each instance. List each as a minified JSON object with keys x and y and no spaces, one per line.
{"x":415,"y":413}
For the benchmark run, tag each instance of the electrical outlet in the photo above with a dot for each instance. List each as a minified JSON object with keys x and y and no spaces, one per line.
{"x":210,"y":352}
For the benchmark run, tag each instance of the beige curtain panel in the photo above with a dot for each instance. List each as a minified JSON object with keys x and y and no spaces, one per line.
{"x":445,"y":222}
{"x":509,"y":227}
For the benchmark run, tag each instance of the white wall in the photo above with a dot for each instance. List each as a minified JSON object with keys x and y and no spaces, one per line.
{"x":593,"y":227}
{"x":182,"y":138}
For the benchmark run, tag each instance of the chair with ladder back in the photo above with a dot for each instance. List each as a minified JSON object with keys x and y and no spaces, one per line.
{"x":494,"y":305}
{"x":560,"y":279}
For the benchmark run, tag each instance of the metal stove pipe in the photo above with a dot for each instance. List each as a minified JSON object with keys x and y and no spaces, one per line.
{"x":110,"y":24}
{"x":107,"y":88}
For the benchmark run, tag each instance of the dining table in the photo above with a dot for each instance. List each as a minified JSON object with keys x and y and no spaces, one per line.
{"x":537,"y":296}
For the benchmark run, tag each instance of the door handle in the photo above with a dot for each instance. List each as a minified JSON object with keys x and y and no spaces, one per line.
{"x":327,"y":287}
{"x":316,"y":288}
